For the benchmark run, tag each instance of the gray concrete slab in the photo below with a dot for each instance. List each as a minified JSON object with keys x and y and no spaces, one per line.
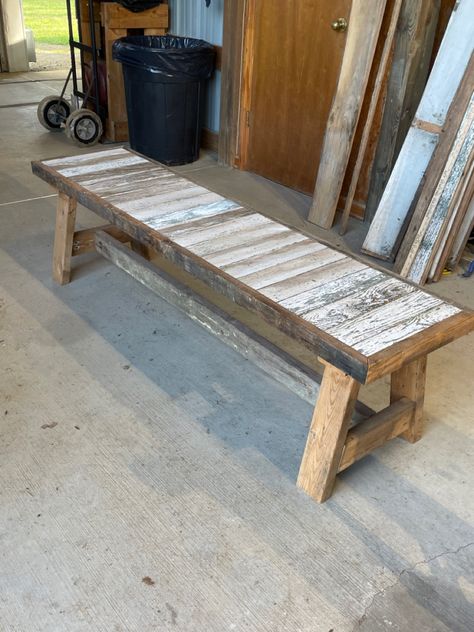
{"x":148,"y":471}
{"x":27,"y":92}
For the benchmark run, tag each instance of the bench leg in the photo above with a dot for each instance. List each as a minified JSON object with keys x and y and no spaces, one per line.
{"x":409,"y":381}
{"x":328,"y":432}
{"x":63,"y":238}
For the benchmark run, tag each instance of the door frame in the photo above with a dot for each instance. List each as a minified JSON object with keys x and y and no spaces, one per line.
{"x":231,"y":81}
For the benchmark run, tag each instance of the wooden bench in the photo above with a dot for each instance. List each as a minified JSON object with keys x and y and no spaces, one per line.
{"x":361,"y":322}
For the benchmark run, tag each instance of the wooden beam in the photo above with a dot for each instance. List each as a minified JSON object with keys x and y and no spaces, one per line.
{"x":364,"y":28}
{"x":377,"y":430}
{"x":374,"y":99}
{"x":232,"y":49}
{"x":63,"y":238}
{"x":327,"y":434}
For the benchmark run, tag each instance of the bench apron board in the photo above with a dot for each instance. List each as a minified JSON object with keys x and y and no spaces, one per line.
{"x":361,"y":322}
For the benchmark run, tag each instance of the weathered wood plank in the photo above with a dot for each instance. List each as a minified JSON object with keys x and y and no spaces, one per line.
{"x":364,"y":27}
{"x":409,"y":70}
{"x":406,"y":329}
{"x":171,"y":214}
{"x":246,"y":236}
{"x":206,"y":222}
{"x":383,"y":236}
{"x":399,"y":312}
{"x":327,"y":434}
{"x":267,"y":260}
{"x":102,"y":166}
{"x":376,"y":431}
{"x":312,"y":279}
{"x":63,"y":162}
{"x":290,"y":270}
{"x":265,"y":246}
{"x":359,"y":304}
{"x":229,"y":225}
{"x":443,"y":154}
{"x":374,"y":99}
{"x":451,"y":62}
{"x":416,"y":266}
{"x":351,"y":278}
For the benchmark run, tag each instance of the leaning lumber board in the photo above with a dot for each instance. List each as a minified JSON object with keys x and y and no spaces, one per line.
{"x":460,"y":241}
{"x":274,"y":361}
{"x":374,"y":99}
{"x":417,"y":264}
{"x":408,"y":74}
{"x":441,"y":156}
{"x":364,"y":28}
{"x":452,"y":60}
{"x":463,"y":196}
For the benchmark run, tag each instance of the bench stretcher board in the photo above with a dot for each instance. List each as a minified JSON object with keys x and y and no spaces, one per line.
{"x":363,"y":322}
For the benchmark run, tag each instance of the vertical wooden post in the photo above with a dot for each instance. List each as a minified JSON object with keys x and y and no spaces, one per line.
{"x":63,"y":236}
{"x":328,"y":432}
{"x":409,"y":381}
{"x":231,"y":67}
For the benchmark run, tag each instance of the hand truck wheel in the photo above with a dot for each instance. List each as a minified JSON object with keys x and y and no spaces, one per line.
{"x":52,"y":112}
{"x":84,"y":127}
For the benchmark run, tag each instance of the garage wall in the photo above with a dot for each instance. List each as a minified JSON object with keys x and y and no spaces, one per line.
{"x":191,"y":18}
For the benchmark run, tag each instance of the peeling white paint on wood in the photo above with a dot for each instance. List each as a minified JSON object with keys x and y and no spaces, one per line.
{"x":361,"y":307}
{"x":331,"y":317}
{"x":246,"y":251}
{"x":307,"y":280}
{"x":399,"y":311}
{"x":349,"y":277}
{"x":286,"y":253}
{"x":405,"y":329}
{"x":291,"y":269}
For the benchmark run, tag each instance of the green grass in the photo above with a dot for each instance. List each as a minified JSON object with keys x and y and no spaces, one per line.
{"x":48,"y":20}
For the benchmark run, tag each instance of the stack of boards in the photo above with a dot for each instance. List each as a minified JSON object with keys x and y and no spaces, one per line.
{"x":426,"y":213}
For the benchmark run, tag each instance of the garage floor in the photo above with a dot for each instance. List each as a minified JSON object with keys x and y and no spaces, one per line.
{"x":147,"y":470}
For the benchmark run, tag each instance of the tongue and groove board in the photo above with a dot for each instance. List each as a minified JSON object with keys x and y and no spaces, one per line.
{"x":451,"y":62}
{"x":355,"y":317}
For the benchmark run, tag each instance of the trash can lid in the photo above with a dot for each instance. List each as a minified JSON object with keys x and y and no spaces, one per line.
{"x":172,"y":56}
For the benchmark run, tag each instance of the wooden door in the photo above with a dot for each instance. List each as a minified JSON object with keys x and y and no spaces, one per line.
{"x":291,"y":67}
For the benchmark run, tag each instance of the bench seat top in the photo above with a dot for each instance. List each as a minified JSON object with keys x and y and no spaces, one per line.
{"x":365,"y":321}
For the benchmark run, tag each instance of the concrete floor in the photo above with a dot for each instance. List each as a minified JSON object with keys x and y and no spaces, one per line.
{"x":147,"y":470}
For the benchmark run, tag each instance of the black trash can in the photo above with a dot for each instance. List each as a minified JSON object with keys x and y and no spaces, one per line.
{"x":165,"y":79}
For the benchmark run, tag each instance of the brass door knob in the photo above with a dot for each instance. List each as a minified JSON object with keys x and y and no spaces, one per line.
{"x":339,"y":25}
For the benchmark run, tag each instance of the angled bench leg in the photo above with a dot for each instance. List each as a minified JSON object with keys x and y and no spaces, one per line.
{"x":63,"y":238}
{"x":328,"y":432}
{"x":409,"y":382}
